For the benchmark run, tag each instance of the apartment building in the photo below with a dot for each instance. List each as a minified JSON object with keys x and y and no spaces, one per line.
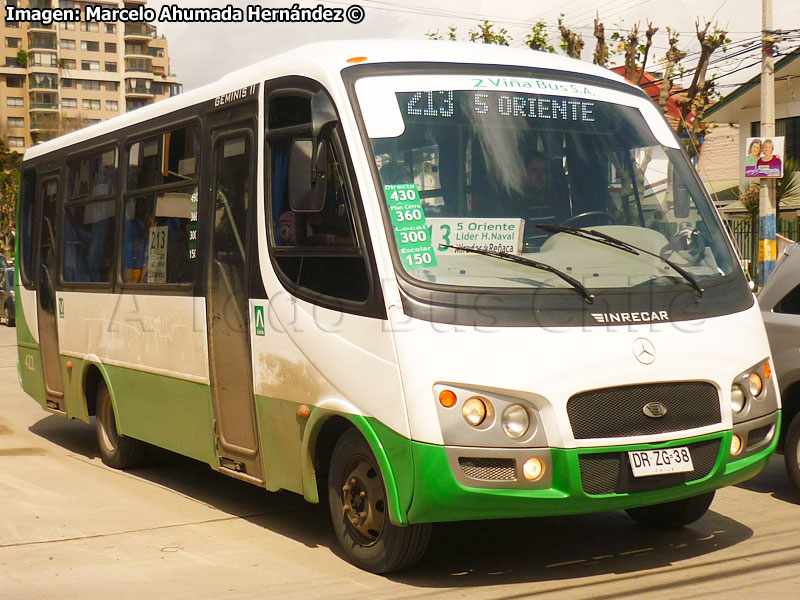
{"x":63,"y":76}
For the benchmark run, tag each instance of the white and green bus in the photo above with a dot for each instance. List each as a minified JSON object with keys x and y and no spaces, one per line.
{"x":421,"y":282}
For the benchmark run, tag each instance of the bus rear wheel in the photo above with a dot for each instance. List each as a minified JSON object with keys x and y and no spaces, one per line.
{"x":672,"y":515}
{"x":359,"y":511}
{"x":117,"y":451}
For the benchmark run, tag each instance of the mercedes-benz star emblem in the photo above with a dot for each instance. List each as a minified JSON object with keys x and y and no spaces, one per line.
{"x":644,"y":351}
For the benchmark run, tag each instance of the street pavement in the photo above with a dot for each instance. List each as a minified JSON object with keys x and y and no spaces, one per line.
{"x":70,"y":527}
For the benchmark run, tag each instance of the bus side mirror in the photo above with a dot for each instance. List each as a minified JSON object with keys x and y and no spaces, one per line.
{"x":681,"y":201}
{"x":306,"y":182}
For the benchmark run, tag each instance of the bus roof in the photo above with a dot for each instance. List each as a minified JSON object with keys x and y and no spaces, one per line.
{"x":330,"y":58}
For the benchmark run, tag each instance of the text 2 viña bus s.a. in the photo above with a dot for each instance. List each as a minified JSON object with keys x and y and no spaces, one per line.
{"x":485,"y":286}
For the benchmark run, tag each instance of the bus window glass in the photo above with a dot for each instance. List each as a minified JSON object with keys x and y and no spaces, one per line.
{"x":159,"y":237}
{"x":89,"y":242}
{"x":465,"y":166}
{"x":92,"y":176}
{"x":169,"y":157}
{"x":27,"y":195}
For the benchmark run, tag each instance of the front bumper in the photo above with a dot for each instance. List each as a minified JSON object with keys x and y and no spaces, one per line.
{"x":442,"y":493}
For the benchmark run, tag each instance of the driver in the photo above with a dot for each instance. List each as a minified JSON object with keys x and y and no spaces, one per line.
{"x":539,"y":199}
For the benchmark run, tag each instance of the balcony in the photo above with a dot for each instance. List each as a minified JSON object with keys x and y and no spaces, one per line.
{"x":44,"y":107}
{"x":139,"y":32}
{"x":37,"y":26}
{"x":42,"y":41}
{"x":138,"y":91}
{"x":44,"y":125}
{"x":137,"y":51}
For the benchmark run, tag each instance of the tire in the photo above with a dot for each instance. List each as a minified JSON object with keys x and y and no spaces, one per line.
{"x":359,"y":512}
{"x":117,"y":451}
{"x":672,"y":515}
{"x":791,"y":452}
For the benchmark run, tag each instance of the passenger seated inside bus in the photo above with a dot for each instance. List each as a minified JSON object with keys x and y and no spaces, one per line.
{"x":332,"y":226}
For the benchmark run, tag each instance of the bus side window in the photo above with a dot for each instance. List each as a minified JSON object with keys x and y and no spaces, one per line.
{"x":90,"y":218}
{"x":159,"y":232}
{"x":27,"y":195}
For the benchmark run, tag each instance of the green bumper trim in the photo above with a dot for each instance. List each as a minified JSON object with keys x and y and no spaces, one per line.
{"x":438,"y":496}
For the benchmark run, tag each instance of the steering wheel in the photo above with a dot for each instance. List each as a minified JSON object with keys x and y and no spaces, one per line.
{"x":587,"y":219}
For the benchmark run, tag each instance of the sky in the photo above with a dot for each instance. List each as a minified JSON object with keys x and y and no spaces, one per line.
{"x":203,"y":52}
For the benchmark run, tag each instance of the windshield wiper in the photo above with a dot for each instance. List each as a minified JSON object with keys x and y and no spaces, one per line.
{"x":609,"y":240}
{"x":577,"y":285}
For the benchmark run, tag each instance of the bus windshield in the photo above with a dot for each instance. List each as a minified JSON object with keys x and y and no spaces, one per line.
{"x":512,"y":164}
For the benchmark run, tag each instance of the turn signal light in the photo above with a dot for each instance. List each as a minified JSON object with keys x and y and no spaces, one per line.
{"x":767,"y":371}
{"x":447,"y":398}
{"x":357,"y":59}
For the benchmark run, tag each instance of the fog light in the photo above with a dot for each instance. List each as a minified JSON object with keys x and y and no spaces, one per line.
{"x":755,"y":383}
{"x":533,"y":469}
{"x":515,"y":421}
{"x":736,"y":445}
{"x":475,"y":411}
{"x":738,"y":398}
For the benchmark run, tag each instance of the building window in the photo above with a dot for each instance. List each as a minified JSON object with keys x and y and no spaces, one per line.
{"x":43,"y":59}
{"x":91,"y":104}
{"x":68,"y":63}
{"x":111,"y":28}
{"x":112,"y":105}
{"x":111,"y":67}
{"x":69,"y":102}
{"x":90,"y":26}
{"x":67,"y":44}
{"x":90,"y":65}
{"x":69,"y":83}
{"x":14,"y":101}
{"x":69,"y":26}
{"x":16,"y":122}
{"x":88,"y":84}
{"x":92,"y":121}
{"x":112,"y":86}
{"x":111,"y":47}
{"x":15,"y":82}
{"x":66,"y":3}
{"x":16,"y":142}
{"x":90,"y":46}
{"x":13,"y":42}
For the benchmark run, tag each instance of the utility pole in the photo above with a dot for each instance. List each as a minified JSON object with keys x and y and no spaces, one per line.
{"x":767,"y":247}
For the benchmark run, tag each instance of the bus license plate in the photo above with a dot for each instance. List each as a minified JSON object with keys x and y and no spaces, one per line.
{"x":660,"y":462}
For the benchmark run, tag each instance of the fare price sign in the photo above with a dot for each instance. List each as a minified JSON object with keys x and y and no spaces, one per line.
{"x":410,"y":230}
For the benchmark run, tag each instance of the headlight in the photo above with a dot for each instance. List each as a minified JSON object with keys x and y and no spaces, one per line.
{"x":755,"y":383}
{"x":738,"y":398}
{"x":515,"y":421}
{"x":475,"y":411}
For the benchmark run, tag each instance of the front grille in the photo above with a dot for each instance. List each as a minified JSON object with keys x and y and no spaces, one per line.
{"x":757,"y":435}
{"x":619,"y":412}
{"x":491,"y":469}
{"x":610,"y":472}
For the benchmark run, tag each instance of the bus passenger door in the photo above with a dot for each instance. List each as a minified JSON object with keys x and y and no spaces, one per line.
{"x":46,"y":297}
{"x":230,"y":370}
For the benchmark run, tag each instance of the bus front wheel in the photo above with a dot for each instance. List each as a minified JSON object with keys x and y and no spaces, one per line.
{"x":118,"y":451}
{"x":672,"y":515}
{"x":359,"y":512}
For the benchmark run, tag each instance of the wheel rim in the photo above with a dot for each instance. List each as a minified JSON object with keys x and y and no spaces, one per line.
{"x":108,"y":425}
{"x":363,"y":501}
